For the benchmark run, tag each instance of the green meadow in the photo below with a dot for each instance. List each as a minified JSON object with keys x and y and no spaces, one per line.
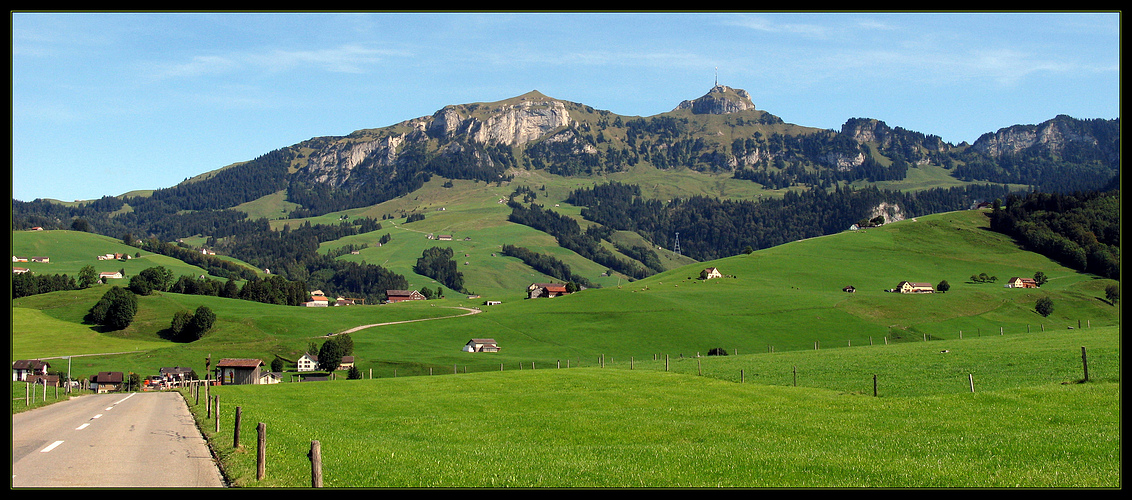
{"x":612,"y":386}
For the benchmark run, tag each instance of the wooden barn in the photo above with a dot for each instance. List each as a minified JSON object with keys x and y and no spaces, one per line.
{"x":239,"y":371}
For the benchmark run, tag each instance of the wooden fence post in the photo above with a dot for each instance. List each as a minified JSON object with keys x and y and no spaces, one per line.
{"x":261,"y":451}
{"x":236,"y":428}
{"x":1085,"y":363}
{"x":216,"y":413}
{"x":874,"y":385}
{"x":316,"y":464}
{"x":971,"y":377}
{"x":795,"y":375}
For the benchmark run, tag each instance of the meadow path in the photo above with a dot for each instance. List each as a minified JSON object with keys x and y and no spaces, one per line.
{"x":470,"y":312}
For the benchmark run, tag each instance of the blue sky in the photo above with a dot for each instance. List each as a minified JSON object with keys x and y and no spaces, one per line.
{"x":105,"y":103}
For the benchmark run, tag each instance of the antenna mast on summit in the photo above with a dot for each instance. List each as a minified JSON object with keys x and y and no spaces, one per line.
{"x":717,"y":76}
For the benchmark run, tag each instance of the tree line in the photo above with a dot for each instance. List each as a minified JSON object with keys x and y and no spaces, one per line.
{"x":1080,"y":230}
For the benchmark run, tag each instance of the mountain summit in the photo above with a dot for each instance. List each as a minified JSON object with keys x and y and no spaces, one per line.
{"x":720,"y":100}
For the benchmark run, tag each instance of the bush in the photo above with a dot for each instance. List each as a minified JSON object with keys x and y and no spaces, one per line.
{"x":717,"y":351}
{"x":1044,"y":306}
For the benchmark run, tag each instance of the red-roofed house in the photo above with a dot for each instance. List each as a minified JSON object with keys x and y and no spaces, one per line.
{"x":537,"y":290}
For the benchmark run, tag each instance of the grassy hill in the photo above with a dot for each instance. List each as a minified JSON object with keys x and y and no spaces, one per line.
{"x":784,"y":298}
{"x":633,"y":410}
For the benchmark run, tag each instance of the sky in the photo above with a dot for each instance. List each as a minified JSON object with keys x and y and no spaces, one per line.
{"x":106,"y":103}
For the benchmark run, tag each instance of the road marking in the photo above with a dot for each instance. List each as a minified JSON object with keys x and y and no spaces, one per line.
{"x":52,"y":447}
{"x":123,"y":399}
{"x":96,"y":416}
{"x":81,"y":427}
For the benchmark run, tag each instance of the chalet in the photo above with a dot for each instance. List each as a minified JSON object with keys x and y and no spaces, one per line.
{"x":914,"y":287}
{"x":307,"y":362}
{"x":537,"y":290}
{"x":24,"y":368}
{"x":19,"y":259}
{"x":106,"y":276}
{"x":41,"y":260}
{"x":343,"y":301}
{"x":394,"y":296}
{"x":233,"y":371}
{"x":317,"y":301}
{"x":45,"y":380}
{"x":710,"y":273}
{"x":20,"y":270}
{"x":106,"y":382}
{"x":445,"y":237}
{"x":481,"y":345}
{"x":1017,"y":282}
{"x":347,"y":363}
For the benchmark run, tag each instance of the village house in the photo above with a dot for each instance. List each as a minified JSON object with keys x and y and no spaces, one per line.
{"x":394,"y":296}
{"x":307,"y":362}
{"x":481,"y":345}
{"x":347,"y":363}
{"x":233,"y":371}
{"x":710,"y":273}
{"x":106,"y":382}
{"x":174,"y":375}
{"x":20,"y":270}
{"x":914,"y":287}
{"x":270,"y":378}
{"x":41,"y":260}
{"x":19,"y":259}
{"x":1017,"y":282}
{"x":537,"y":290}
{"x":23,"y":368}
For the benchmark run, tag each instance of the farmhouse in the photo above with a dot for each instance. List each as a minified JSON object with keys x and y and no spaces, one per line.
{"x":1017,"y":282}
{"x":481,"y":345}
{"x":234,"y":371}
{"x":106,"y":382}
{"x":307,"y":362}
{"x":20,"y":270}
{"x":347,"y":363}
{"x":42,"y":260}
{"x":105,"y":276}
{"x":914,"y":287}
{"x":19,"y":259}
{"x":393,"y":296}
{"x":710,"y":273}
{"x":23,"y":368}
{"x":317,"y":301}
{"x":537,"y":290}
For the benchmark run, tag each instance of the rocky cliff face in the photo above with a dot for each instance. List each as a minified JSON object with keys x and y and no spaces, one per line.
{"x":720,"y":100}
{"x":1052,"y":136}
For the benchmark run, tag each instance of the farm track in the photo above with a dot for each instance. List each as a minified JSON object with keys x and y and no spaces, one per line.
{"x":470,"y":312}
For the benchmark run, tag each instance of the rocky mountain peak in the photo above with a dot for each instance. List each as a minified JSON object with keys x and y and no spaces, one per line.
{"x":720,"y":100}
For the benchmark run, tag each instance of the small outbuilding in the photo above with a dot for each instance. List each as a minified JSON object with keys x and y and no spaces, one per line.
{"x":233,"y":371}
{"x":481,"y":345}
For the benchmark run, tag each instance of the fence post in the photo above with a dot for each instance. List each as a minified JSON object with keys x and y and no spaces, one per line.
{"x":971,"y":377}
{"x":316,"y":464}
{"x":1085,"y":363}
{"x":236,"y":427}
{"x":795,"y":375}
{"x":261,"y":451}
{"x":874,"y":385}
{"x":217,"y":412}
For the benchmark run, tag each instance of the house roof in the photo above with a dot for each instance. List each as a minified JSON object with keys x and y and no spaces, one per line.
{"x":481,"y":341}
{"x":400,"y":293}
{"x":109,"y":377}
{"x":239,"y":363}
{"x":28,"y":364}
{"x":175,"y":370}
{"x":347,"y":359}
{"x":554,"y":287}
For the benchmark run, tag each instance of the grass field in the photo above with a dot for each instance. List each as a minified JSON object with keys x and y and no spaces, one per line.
{"x":1030,"y":423}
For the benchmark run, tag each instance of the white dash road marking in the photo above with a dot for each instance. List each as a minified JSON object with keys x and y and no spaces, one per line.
{"x":52,"y":447}
{"x":96,"y":416}
{"x":81,"y":427}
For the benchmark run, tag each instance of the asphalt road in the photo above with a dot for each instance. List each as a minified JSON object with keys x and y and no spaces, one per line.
{"x":125,"y":440}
